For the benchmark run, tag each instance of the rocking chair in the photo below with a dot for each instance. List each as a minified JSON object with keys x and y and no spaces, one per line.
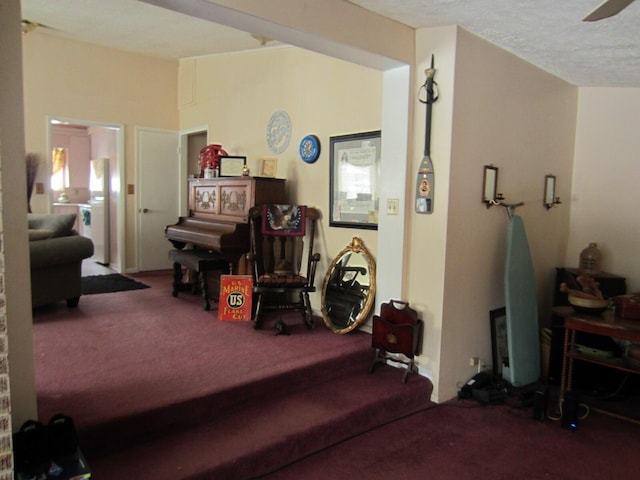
{"x":280,"y":236}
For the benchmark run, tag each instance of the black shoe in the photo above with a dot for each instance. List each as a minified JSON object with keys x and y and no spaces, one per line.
{"x":63,"y":440}
{"x":31,"y":449}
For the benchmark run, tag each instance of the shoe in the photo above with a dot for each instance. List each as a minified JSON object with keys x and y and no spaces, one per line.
{"x":31,"y":449}
{"x":63,"y":440}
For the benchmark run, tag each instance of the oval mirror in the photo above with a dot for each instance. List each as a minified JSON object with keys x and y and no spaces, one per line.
{"x":349,"y":288}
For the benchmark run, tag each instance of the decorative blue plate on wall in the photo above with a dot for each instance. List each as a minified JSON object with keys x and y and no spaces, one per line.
{"x":310,"y":148}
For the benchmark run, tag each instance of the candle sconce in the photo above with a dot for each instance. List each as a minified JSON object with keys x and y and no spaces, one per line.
{"x":490,"y":195}
{"x":550,"y":199}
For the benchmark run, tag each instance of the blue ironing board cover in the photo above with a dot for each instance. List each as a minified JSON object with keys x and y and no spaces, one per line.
{"x":522,"y":310}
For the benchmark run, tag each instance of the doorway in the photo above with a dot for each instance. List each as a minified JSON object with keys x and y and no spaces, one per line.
{"x":191,"y":142}
{"x":158,"y":189}
{"x":74,"y":145}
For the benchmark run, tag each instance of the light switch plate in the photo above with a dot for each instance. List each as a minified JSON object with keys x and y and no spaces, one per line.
{"x":393,"y":206}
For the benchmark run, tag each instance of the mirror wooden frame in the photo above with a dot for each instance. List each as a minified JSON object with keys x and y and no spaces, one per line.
{"x":356,"y":246}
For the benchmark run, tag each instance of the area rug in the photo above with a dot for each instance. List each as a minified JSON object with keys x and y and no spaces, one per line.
{"x":113,"y":282}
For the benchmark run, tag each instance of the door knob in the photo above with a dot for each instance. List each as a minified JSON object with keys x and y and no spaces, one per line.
{"x":145,"y":210}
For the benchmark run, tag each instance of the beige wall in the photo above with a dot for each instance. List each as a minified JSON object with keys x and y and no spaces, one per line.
{"x":495,"y":109}
{"x":15,"y":299}
{"x":236,"y":94}
{"x":75,"y":80}
{"x":425,"y":265}
{"x":605,"y":196}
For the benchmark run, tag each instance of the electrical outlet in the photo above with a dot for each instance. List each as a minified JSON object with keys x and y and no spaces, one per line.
{"x":474,"y":361}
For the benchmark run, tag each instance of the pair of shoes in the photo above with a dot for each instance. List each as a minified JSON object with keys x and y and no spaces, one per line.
{"x":38,"y":447}
{"x":31,"y":449}
{"x":63,"y":440}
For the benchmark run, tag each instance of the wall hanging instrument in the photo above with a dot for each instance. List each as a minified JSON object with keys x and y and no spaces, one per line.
{"x":425,"y":180}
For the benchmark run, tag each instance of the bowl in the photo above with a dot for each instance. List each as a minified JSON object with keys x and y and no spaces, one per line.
{"x":590,"y":306}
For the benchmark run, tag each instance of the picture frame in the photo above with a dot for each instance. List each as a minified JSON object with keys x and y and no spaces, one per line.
{"x":268,"y":167}
{"x":231,"y":166}
{"x":354,"y":180}
{"x":499,"y":340}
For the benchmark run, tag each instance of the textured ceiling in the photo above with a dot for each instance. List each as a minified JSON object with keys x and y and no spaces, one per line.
{"x":547,"y":33}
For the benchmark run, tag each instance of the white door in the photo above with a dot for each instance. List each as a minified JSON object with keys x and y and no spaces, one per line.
{"x":158,"y":195}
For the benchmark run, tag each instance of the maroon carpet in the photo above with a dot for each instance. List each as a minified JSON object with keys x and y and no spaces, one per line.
{"x":104,"y":358}
{"x":465,"y":441}
{"x":159,"y":388}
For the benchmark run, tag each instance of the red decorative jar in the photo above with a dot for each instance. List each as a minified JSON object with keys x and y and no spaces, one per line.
{"x":209,"y":157}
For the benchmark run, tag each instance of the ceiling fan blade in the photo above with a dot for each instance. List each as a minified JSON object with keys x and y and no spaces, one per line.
{"x":606,"y":9}
{"x":29,"y":26}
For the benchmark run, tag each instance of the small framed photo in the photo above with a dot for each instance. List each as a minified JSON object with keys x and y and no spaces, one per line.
{"x":268,"y":167}
{"x":231,"y":166}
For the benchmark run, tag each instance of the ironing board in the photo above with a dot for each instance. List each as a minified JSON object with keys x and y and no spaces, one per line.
{"x":521,"y":306}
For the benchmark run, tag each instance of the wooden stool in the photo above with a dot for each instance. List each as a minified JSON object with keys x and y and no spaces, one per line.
{"x":199,"y":262}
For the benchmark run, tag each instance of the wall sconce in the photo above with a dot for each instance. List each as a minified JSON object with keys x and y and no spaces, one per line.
{"x":550,"y":199}
{"x":490,"y":186}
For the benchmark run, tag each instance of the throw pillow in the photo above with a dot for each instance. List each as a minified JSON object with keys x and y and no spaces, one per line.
{"x":60,"y":223}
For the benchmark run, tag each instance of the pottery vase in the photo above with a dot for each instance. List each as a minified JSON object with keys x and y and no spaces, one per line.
{"x":209,"y":157}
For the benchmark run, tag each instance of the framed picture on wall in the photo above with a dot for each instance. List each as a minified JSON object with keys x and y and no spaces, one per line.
{"x":231,"y":166}
{"x":268,"y":167}
{"x":354,"y":180}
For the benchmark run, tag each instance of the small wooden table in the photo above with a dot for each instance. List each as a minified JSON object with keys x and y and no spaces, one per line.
{"x":606,"y":325}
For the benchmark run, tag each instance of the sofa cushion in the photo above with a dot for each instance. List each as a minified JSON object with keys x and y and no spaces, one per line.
{"x":61,"y":224}
{"x":60,"y":250}
{"x":40,"y":234}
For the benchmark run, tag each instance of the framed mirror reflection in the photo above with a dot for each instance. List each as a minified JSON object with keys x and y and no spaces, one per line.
{"x":349,"y":288}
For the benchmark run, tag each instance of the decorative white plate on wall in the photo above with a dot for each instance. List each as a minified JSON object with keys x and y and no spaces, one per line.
{"x":279,"y":131}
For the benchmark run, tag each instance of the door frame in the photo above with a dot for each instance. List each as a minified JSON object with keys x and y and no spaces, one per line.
{"x":120,"y":137}
{"x":183,"y":187}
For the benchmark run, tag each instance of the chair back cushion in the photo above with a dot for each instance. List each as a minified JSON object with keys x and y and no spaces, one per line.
{"x":287,"y":220}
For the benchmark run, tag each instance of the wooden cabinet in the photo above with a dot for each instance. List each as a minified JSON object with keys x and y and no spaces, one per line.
{"x":228,"y":199}
{"x":610,"y":284}
{"x":606,"y":325}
